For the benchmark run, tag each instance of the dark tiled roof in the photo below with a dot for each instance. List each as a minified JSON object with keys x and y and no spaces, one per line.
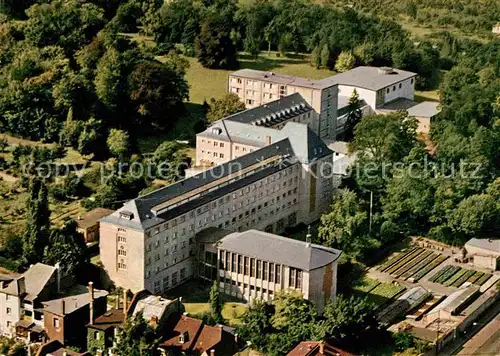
{"x":274,"y":112}
{"x":112,"y":318}
{"x":92,"y":217}
{"x":279,"y":249}
{"x":298,"y":143}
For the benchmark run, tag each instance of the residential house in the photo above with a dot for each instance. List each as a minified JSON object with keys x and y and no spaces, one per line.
{"x":191,"y":335}
{"x":23,"y":295}
{"x":88,"y":224}
{"x":66,"y":318}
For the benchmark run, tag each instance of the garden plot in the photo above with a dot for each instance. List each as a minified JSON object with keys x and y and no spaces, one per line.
{"x":413,"y":264}
{"x":455,"y":276}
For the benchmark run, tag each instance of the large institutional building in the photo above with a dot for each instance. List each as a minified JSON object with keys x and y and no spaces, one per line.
{"x":150,"y":242}
{"x":266,"y":168}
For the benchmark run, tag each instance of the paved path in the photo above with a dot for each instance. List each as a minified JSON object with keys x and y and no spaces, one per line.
{"x":485,"y":342}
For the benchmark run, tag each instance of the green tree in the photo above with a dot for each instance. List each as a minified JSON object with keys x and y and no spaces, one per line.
{"x":477,"y":215}
{"x":37,"y":222}
{"x":354,"y":115}
{"x":137,"y":338}
{"x":316,"y":57}
{"x":118,"y":142}
{"x":216,"y":303}
{"x":345,"y":62}
{"x":229,"y":105}
{"x":325,"y":56}
{"x":256,"y":326}
{"x":157,"y":91}
{"x":349,"y":320}
{"x":67,"y":247}
{"x":345,"y":225}
{"x":90,"y":139}
{"x":214,"y":47}
{"x":108,"y":81}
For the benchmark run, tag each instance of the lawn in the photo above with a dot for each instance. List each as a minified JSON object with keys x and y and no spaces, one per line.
{"x":195,"y":296}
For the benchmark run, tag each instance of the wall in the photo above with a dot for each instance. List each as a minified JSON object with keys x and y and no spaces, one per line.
{"x":12,"y":302}
{"x":424,"y":124}
{"x":394,"y":91}
{"x":133,"y":276}
{"x":488,"y":262}
{"x":369,"y":96}
{"x":53,"y":333}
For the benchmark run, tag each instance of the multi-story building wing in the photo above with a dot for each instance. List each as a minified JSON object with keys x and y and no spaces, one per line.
{"x":252,"y":129}
{"x":256,"y":264}
{"x":149,"y":242}
{"x":329,"y":97}
{"x":256,"y":88}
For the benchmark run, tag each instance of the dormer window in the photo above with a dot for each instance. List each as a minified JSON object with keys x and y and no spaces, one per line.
{"x":127,"y":215}
{"x":183,"y":338}
{"x":216,"y":130}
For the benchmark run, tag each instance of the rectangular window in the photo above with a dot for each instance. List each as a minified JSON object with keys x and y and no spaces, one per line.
{"x":56,"y":322}
{"x":299,"y":280}
{"x":292,"y":280}
{"x":166,"y":283}
{"x":183,"y":273}
{"x":246,"y":271}
{"x":258,"y":267}
{"x":264,"y":271}
{"x":157,"y":287}
{"x":233,"y":267}
{"x":252,"y":267}
{"x":174,"y":278}
{"x":222,"y":264}
{"x":278,"y":274}
{"x":240,"y":264}
{"x":271,"y":272}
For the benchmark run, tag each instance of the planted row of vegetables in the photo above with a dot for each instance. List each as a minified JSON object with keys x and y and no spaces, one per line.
{"x":456,"y":276}
{"x":418,"y":264}
{"x":405,"y":260}
{"x":421,"y":273}
{"x":411,"y":264}
{"x":395,"y":259}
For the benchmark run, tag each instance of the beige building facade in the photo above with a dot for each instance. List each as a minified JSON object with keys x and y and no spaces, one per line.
{"x":256,"y":88}
{"x":258,"y":265}
{"x":150,"y":242}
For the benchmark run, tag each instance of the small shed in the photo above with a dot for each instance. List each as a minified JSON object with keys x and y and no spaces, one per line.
{"x":88,"y":223}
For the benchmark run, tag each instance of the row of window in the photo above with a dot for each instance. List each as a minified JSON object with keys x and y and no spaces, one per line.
{"x":169,"y":281}
{"x":228,"y":283}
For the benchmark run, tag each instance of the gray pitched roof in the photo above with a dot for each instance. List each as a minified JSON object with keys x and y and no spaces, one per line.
{"x":424,"y":109}
{"x":77,"y":297}
{"x":279,"y":249}
{"x":371,"y":78}
{"x":486,"y":244}
{"x":289,"y":106}
{"x":294,"y":142}
{"x":152,"y":306}
{"x":37,"y":277}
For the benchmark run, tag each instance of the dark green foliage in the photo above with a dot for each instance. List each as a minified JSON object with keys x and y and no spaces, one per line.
{"x":216,"y":303}
{"x":67,"y":247}
{"x":137,"y":338}
{"x":214,"y":47}
{"x":220,"y":108}
{"x":354,"y":115}
{"x":37,"y":223}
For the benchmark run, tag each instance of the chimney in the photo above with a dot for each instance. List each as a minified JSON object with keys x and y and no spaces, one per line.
{"x":58,"y":277}
{"x":212,"y":352}
{"x":154,"y":321}
{"x":268,"y":140}
{"x":21,"y":285}
{"x":91,"y":304}
{"x":308,"y":236}
{"x":321,"y":348}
